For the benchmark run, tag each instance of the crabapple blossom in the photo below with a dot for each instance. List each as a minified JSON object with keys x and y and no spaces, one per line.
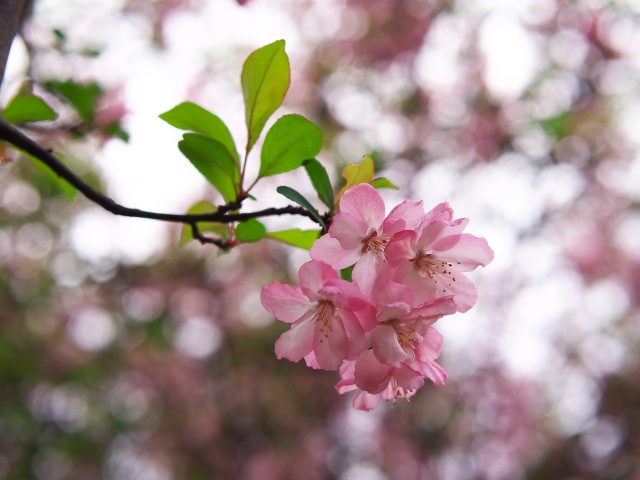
{"x":374,"y":380}
{"x":432,"y":258}
{"x":328,"y":316}
{"x":407,"y":273}
{"x":360,"y":233}
{"x":401,"y":323}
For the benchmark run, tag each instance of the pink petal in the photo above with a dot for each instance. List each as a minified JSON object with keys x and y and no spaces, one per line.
{"x":364,"y":202}
{"x":354,"y":330}
{"x":427,"y":352}
{"x":287,"y":303}
{"x":441,"y":211}
{"x":408,"y":378}
{"x":330,"y":344}
{"x":423,"y":287}
{"x":349,"y":230}
{"x":311,"y":361}
{"x":371,"y":375}
{"x":467,"y":253}
{"x":328,"y":250}
{"x":386,"y":348}
{"x":296,"y":342}
{"x":428,"y":234}
{"x":433,"y":372}
{"x":366,"y":401}
{"x":393,"y":311}
{"x":366,"y":270}
{"x":314,"y":274}
{"x":410,"y":215}
{"x":434,"y":310}
{"x":463,"y":290}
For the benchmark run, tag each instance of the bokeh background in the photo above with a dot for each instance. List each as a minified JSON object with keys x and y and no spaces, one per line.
{"x":125,"y":356}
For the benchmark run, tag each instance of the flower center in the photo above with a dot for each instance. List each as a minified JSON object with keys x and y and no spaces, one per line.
{"x":406,"y":338}
{"x":428,"y":265}
{"x":398,"y":392}
{"x":324,"y":312}
{"x":375,"y":243}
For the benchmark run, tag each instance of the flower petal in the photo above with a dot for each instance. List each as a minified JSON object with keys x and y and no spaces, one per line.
{"x":287,"y":303}
{"x":296,"y":342}
{"x":366,"y":271}
{"x":330,"y":343}
{"x":349,"y":230}
{"x":314,"y":274}
{"x":366,"y":401}
{"x":328,"y":249}
{"x":364,"y":202}
{"x":371,"y":375}
{"x":408,"y":378}
{"x":386,"y":348}
{"x":467,"y":252}
{"x":405,"y":216}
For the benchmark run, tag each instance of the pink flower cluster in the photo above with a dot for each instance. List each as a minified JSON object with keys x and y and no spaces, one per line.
{"x":408,"y":271}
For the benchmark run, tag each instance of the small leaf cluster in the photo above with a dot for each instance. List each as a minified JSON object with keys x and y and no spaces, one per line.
{"x":292,"y":142}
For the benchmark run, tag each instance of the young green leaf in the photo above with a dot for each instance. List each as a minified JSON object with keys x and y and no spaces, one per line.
{"x":26,"y":107}
{"x":116,"y":130}
{"x":200,"y":207}
{"x":292,"y":140}
{"x":84,"y":98}
{"x":59,"y":183}
{"x":250,"y":231}
{"x":320,"y":180}
{"x":192,"y":117}
{"x":296,"y":237}
{"x":295,"y":196}
{"x":383,"y":182}
{"x":265,"y":80}
{"x":345,"y":273}
{"x":214,"y":162}
{"x":357,"y":174}
{"x":59,"y":34}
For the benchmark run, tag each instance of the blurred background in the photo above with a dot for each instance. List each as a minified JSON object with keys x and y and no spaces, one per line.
{"x":125,"y":356}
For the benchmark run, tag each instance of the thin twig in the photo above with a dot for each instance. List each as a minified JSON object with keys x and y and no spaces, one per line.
{"x":15,"y":137}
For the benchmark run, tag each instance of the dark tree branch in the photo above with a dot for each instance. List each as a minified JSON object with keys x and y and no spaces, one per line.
{"x":11,"y":13}
{"x":15,"y":137}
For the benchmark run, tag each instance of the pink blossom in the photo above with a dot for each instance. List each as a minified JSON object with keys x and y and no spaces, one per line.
{"x":432,"y":259}
{"x":375,"y":380}
{"x":401,"y":324}
{"x":328,"y":316}
{"x":360,"y":233}
{"x":383,"y":381}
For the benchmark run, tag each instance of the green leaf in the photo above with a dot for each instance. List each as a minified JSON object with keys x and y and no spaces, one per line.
{"x":295,"y":196}
{"x":383,"y":182}
{"x":116,"y":130}
{"x":320,"y":180}
{"x":59,"y":34}
{"x":201,"y":207}
{"x":557,"y":127}
{"x":357,"y":174}
{"x":265,"y":80}
{"x":345,"y":273}
{"x":189,"y":116}
{"x":214,"y":162}
{"x":90,"y":52}
{"x":292,"y":140}
{"x":60,"y":184}
{"x":83,"y":97}
{"x":250,"y":231}
{"x":298,"y":238}
{"x":26,"y":107}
